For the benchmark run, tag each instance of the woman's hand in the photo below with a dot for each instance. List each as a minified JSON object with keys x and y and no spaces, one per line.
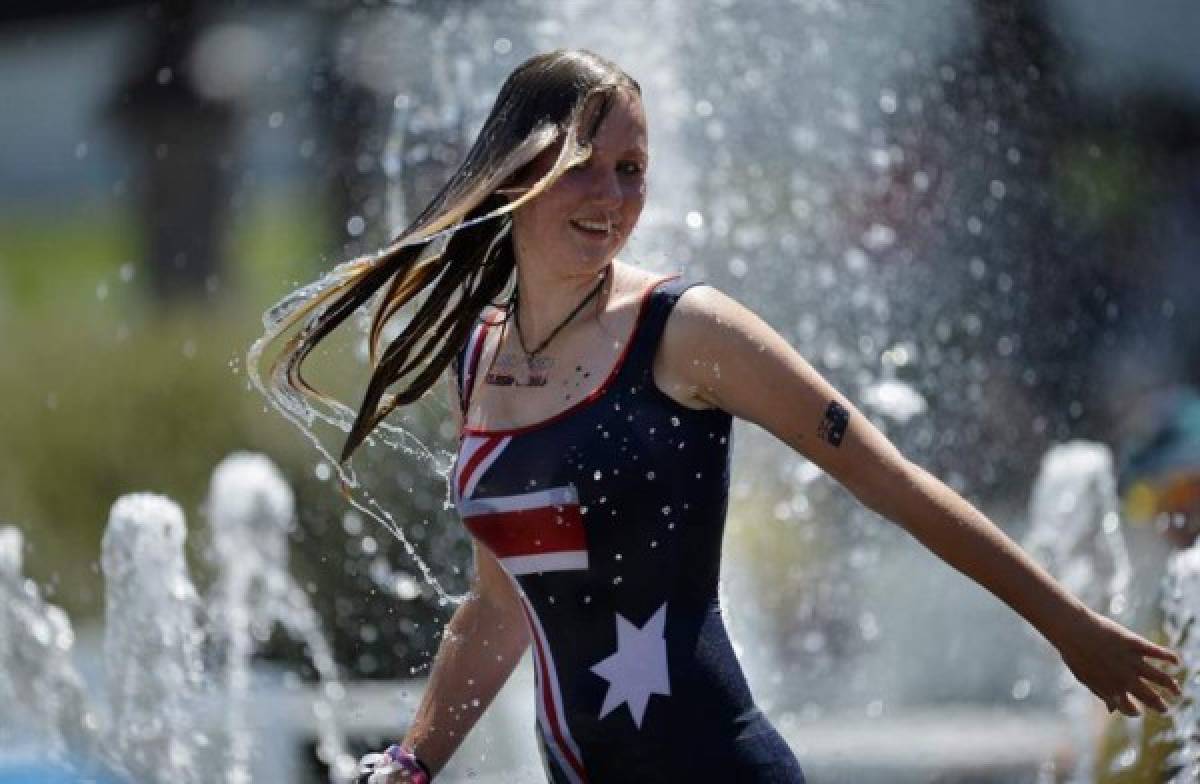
{"x":394,"y":766}
{"x":1117,"y":665}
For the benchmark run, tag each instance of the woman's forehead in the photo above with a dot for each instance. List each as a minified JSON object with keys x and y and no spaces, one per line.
{"x":623,"y":128}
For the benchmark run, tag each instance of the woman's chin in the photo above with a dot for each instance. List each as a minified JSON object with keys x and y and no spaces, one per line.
{"x":594,"y":258}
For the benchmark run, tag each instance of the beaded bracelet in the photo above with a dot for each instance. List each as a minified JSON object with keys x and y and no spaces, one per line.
{"x":406,"y":761}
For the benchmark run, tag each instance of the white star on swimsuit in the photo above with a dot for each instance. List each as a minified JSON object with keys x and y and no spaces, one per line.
{"x":638,"y":668}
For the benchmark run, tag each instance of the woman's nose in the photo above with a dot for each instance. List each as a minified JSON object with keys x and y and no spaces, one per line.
{"x":604,"y":188}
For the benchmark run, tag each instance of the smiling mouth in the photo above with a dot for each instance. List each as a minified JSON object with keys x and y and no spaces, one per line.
{"x":593,"y":228}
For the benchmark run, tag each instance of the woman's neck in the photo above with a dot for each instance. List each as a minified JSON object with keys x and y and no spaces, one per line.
{"x":545,"y":301}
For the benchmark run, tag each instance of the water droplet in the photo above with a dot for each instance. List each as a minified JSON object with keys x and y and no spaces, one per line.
{"x":887,"y":101}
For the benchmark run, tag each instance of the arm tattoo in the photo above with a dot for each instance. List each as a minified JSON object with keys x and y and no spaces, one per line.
{"x":833,"y":424}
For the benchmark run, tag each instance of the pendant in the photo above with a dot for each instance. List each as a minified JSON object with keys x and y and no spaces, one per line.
{"x":539,"y":370}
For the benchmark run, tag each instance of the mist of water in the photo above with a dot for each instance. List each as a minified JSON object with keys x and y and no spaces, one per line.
{"x":1075,"y":533}
{"x":170,"y":654}
{"x":251,"y":510}
{"x":1181,"y":612}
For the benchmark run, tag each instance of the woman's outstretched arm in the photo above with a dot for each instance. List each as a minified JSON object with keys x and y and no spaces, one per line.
{"x":717,"y":353}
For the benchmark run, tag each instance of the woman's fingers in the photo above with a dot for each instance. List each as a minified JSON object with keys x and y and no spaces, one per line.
{"x":1149,"y":697}
{"x":1159,"y":678}
{"x":1147,"y":648}
{"x":1126,"y":706}
{"x":1120,"y":667}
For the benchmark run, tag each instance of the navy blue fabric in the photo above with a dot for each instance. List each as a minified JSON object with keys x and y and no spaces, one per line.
{"x":652,"y":479}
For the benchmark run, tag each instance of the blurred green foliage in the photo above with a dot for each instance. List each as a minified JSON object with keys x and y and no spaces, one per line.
{"x":106,"y":393}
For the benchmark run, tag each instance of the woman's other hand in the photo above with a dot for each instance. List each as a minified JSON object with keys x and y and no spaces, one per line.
{"x":390,"y":767}
{"x":1117,"y":665}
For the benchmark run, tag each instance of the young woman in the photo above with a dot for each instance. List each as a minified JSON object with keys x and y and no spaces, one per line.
{"x":596,"y":407}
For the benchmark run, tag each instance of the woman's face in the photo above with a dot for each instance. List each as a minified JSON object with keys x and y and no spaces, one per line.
{"x":576,"y":226}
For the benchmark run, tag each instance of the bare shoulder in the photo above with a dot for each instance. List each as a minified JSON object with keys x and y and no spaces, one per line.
{"x":705,"y":328}
{"x":706,"y":321}
{"x":631,"y":284}
{"x":719,"y":353}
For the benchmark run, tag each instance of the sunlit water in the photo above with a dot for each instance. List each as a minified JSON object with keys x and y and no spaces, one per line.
{"x":162,"y":714}
{"x":43,"y":706}
{"x":812,"y":159}
{"x":152,"y":642}
{"x":848,"y":194}
{"x":1181,"y":612}
{"x":251,"y":510}
{"x":1076,"y":535}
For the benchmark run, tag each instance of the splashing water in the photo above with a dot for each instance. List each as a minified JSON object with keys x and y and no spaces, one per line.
{"x":152,"y":642}
{"x":1075,"y":534}
{"x":1181,"y":607}
{"x":304,"y":413}
{"x":42,"y":700}
{"x":895,"y":400}
{"x":155,"y":682}
{"x":251,"y":510}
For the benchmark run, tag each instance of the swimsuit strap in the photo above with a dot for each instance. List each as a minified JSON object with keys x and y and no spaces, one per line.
{"x":466,"y":364}
{"x":639,"y":363}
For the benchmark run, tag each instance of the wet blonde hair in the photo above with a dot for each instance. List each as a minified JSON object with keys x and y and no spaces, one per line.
{"x":458,"y":252}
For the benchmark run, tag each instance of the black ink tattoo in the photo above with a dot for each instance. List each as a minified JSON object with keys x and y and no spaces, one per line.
{"x":833,"y":424}
{"x":503,"y":371}
{"x":509,"y":380}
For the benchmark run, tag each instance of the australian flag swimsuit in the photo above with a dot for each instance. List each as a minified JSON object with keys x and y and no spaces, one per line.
{"x":608,"y":517}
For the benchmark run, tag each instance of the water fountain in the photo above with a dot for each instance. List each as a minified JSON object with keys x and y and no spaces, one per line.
{"x":153,"y":672}
{"x":1181,"y":611}
{"x":874,"y":211}
{"x":1075,"y":533}
{"x":251,"y":510}
{"x":162,"y":714}
{"x":44,"y":715}
{"x":813,"y":199}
